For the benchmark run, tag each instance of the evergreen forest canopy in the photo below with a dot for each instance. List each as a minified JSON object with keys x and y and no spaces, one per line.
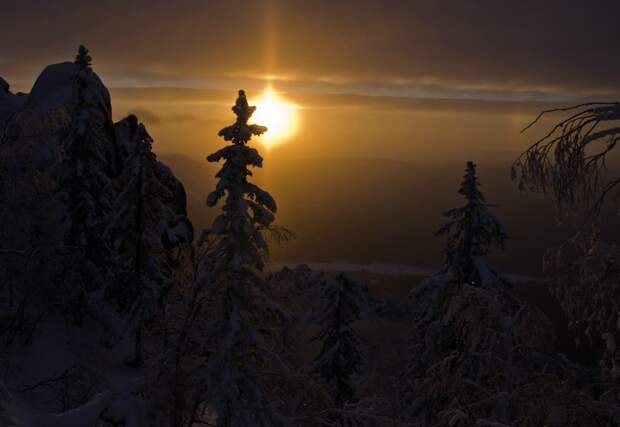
{"x":114,"y":311}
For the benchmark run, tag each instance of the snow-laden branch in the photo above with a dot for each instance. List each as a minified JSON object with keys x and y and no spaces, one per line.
{"x":570,"y":159}
{"x":13,"y":251}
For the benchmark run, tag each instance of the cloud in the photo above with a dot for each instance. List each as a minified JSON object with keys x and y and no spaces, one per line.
{"x":183,"y":117}
{"x":158,"y":116}
{"x":147,"y":116}
{"x":554,"y":46}
{"x":184,"y":101}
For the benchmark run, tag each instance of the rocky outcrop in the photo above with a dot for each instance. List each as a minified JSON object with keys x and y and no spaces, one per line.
{"x":9,"y":103}
{"x":4,"y":86}
{"x":82,"y":299}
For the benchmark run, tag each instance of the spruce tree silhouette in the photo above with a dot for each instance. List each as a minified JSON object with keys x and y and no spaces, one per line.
{"x":471,"y":230}
{"x":237,"y":253}
{"x":248,"y":210}
{"x":340,"y":357}
{"x":83,"y":59}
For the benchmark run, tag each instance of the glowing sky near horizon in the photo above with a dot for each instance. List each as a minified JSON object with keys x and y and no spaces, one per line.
{"x":278,"y":115}
{"x":415,"y":80}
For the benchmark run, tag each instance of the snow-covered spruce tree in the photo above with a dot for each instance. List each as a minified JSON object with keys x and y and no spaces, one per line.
{"x":340,"y":357}
{"x":237,"y":255}
{"x":478,"y":354}
{"x":132,"y":233}
{"x":471,"y":230}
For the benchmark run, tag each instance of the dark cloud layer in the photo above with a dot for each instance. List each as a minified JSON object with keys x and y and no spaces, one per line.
{"x":154,"y":118}
{"x":516,"y":45}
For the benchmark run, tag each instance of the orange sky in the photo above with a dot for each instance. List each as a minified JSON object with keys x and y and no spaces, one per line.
{"x":394,"y":96}
{"x":419,"y":80}
{"x":186,"y":121}
{"x":454,"y":48}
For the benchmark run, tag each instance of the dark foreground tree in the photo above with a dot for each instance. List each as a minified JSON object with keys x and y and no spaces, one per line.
{"x":340,"y":357}
{"x":479,"y":355}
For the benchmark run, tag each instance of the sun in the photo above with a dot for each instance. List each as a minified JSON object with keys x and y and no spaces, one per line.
{"x":279,"y":115}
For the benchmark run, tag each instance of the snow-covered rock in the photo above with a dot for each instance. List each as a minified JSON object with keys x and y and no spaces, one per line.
{"x":56,"y":88}
{"x":133,"y":256}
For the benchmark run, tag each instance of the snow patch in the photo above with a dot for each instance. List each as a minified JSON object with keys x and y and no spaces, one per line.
{"x":385,"y":269}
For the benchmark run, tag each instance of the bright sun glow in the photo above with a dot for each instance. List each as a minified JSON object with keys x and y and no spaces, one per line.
{"x":279,"y":115}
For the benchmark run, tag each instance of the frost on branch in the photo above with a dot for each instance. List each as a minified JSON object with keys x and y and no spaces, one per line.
{"x":570,"y":160}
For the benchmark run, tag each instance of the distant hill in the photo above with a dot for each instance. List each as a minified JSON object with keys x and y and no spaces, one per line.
{"x":375,"y":210}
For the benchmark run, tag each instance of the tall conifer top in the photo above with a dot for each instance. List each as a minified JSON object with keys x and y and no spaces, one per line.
{"x":83,"y":59}
{"x":241,"y":132}
{"x":471,"y":230}
{"x":470,"y":185}
{"x":248,"y":211}
{"x":236,"y":255}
